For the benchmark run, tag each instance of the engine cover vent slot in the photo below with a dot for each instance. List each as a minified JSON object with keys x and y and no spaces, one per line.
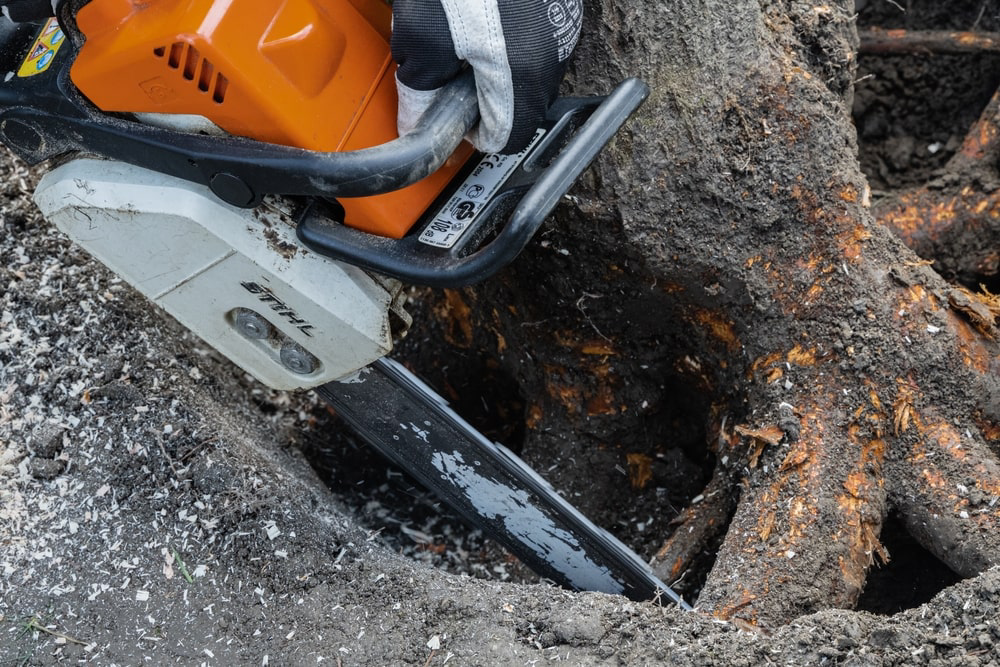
{"x":195,"y":68}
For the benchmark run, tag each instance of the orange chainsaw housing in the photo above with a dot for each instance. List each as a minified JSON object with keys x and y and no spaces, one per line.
{"x":315,"y":74}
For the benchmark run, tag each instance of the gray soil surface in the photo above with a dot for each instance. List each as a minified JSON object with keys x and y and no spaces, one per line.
{"x":159,"y":507}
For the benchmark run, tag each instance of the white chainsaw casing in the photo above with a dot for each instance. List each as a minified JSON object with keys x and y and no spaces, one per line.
{"x":208,"y":263}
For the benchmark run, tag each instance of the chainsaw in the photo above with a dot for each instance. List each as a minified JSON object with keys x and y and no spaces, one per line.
{"x":242,"y":170}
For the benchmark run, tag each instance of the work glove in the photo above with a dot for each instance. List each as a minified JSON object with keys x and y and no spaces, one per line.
{"x":21,"y":11}
{"x":516,"y":48}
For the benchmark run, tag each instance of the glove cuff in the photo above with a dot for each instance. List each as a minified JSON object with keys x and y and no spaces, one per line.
{"x":477,"y":31}
{"x":412,"y":105}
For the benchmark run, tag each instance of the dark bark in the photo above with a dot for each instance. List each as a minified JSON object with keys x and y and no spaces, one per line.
{"x":718,"y":284}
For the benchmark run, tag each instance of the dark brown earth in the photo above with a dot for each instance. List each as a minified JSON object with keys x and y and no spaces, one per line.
{"x":134,"y":462}
{"x":912,"y":111}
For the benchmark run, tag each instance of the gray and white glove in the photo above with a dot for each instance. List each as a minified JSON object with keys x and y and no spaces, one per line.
{"x":22,"y":11}
{"x":516,"y":48}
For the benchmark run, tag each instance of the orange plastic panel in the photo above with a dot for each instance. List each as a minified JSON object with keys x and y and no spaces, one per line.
{"x":316,"y":74}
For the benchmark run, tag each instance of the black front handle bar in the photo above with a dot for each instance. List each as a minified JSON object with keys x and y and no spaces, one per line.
{"x":44,"y":119}
{"x":577,"y":130}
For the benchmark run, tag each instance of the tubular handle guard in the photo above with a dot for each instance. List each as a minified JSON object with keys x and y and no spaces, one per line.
{"x":242,"y":171}
{"x":45,"y":117}
{"x":578,"y":129}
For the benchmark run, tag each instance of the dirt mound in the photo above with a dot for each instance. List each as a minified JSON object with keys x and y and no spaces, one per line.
{"x":154,"y":509}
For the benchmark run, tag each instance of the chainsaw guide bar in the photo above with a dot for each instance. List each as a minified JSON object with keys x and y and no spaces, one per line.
{"x":487,"y":484}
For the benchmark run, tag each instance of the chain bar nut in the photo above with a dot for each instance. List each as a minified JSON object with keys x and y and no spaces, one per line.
{"x":252,"y":324}
{"x":296,"y":359}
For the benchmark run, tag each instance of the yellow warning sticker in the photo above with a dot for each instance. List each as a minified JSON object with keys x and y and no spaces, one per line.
{"x":43,"y":51}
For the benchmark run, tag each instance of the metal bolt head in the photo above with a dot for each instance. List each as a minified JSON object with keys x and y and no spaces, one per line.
{"x":297,"y":360}
{"x":252,"y":324}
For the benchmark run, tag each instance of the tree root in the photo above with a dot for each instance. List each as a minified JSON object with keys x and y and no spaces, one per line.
{"x":862,"y":452}
{"x":822,"y":488}
{"x":727,"y":240}
{"x":885,"y":42}
{"x":696,"y":530}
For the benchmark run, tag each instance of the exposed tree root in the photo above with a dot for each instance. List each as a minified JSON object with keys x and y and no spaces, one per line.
{"x":948,"y":492}
{"x":862,"y":452}
{"x":724,"y":258}
{"x":883,"y":42}
{"x":959,"y":229}
{"x":696,"y":530}
{"x":823,"y":487}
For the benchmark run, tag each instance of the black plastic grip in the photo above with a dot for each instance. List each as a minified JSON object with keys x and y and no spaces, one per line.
{"x":239,"y":171}
{"x":539,"y":189}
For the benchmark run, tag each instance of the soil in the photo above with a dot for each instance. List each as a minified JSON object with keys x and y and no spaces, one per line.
{"x":158,"y":507}
{"x":155,"y":509}
{"x":912,"y":111}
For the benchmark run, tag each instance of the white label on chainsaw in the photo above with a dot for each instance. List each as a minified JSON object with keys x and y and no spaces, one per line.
{"x":455,"y":217}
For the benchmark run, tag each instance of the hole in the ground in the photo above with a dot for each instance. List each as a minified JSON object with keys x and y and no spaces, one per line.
{"x":479,"y":390}
{"x":597,"y":411}
{"x":411,"y":521}
{"x":913,"y":110}
{"x":680,"y":465}
{"x":911,"y":577}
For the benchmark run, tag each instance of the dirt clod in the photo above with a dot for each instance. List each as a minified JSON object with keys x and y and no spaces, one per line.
{"x":47,"y":440}
{"x":46,"y":469}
